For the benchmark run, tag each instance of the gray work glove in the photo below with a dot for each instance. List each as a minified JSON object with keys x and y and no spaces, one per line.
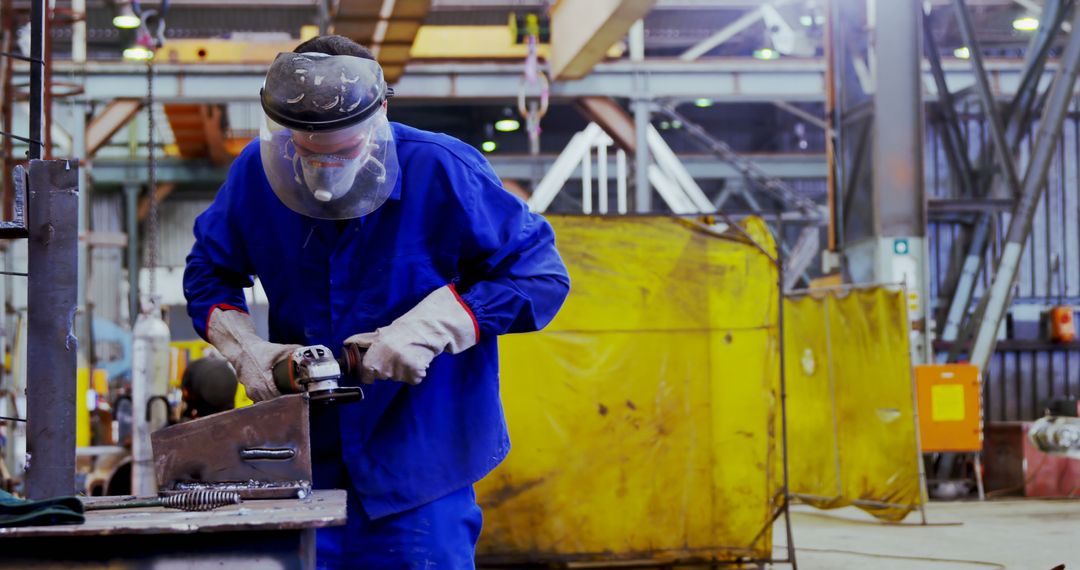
{"x":403,"y":350}
{"x":233,"y":334}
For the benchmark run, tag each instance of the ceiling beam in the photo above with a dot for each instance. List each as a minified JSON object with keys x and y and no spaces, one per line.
{"x":583,"y":30}
{"x":111,"y":119}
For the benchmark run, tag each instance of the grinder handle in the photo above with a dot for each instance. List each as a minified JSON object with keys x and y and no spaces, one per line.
{"x":284,"y":378}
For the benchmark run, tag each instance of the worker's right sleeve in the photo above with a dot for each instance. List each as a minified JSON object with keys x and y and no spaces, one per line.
{"x":218,"y":267}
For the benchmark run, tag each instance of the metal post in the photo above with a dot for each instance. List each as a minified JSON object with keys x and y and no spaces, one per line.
{"x":602,"y":176}
{"x":955,"y":145}
{"x":78,"y":31}
{"x":783,"y":387}
{"x":1057,"y":107}
{"x":37,"y":78}
{"x":324,"y":17}
{"x":986,"y":97}
{"x":1018,"y":119}
{"x":899,"y":203}
{"x":131,"y":199}
{"x":79,"y":150}
{"x":642,"y":120}
{"x":53,"y":210}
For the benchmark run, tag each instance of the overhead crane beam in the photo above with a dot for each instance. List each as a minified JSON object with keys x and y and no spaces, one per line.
{"x":583,"y":30}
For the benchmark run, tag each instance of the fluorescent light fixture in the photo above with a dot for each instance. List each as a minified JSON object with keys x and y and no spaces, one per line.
{"x":664,"y":125}
{"x":1026,"y":24}
{"x":126,"y":21}
{"x":487,"y":146}
{"x":806,"y":20}
{"x":962,"y":52}
{"x":138,"y":53}
{"x":676,"y":124}
{"x":703,"y":102}
{"x":766,"y":53}
{"x":507,"y":125}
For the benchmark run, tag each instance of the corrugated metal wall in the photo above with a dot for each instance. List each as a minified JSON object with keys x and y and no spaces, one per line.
{"x":1023,"y":374}
{"x":177,"y":218}
{"x":107,"y":290}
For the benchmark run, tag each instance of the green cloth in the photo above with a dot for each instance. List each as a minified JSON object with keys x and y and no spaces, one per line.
{"x":21,"y":512}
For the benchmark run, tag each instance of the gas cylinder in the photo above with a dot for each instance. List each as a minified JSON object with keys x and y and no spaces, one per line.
{"x":149,"y":395}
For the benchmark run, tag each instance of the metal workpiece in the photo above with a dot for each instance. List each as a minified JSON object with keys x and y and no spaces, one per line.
{"x":260,"y":451}
{"x":205,"y":500}
{"x":52,"y":210}
{"x":1043,"y":150}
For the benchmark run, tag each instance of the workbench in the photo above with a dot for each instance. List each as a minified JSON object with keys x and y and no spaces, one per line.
{"x":271,"y":533}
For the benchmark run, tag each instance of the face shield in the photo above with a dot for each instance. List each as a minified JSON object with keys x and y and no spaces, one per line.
{"x":326,"y":145}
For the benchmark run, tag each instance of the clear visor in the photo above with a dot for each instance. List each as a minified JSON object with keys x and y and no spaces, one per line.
{"x":333,"y":175}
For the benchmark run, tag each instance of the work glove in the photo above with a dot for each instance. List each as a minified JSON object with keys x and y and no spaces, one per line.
{"x":233,"y":334}
{"x":403,"y":350}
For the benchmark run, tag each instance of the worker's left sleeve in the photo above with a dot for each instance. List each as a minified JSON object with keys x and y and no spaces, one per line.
{"x":511,"y":278}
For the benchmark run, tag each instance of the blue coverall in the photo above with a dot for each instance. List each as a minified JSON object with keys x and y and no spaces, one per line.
{"x":408,"y":455}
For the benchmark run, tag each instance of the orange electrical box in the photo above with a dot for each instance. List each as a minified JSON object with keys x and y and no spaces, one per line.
{"x":950,"y":407}
{"x":1062,"y":327}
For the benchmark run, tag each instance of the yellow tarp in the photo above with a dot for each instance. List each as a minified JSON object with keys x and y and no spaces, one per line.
{"x":851,"y":426}
{"x":643,"y":418}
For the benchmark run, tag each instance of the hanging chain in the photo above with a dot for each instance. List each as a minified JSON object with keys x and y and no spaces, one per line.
{"x":533,"y":111}
{"x":152,"y":217}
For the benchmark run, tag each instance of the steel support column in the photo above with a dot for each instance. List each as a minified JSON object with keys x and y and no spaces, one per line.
{"x":986,"y":98}
{"x":955,"y":145}
{"x":895,"y":250}
{"x":1017,"y":118}
{"x":642,"y":121}
{"x":131,"y":202}
{"x":1057,"y":106}
{"x":53,"y":210}
{"x":37,"y":79}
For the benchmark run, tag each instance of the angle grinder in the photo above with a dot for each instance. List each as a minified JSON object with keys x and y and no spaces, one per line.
{"x":313,"y":370}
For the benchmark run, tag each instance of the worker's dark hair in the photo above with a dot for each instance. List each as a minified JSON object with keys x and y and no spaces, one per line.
{"x":334,"y":45}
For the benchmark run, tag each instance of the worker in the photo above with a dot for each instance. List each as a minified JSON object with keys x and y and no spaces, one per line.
{"x":402,"y":242}
{"x":208,"y":385}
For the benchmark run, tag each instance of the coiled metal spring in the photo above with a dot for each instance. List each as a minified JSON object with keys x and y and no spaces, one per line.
{"x":201,"y":500}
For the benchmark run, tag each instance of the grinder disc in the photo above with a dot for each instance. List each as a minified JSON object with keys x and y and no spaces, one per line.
{"x":342,"y":395}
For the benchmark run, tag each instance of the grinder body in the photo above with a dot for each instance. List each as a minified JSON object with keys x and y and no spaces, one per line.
{"x":313,"y":370}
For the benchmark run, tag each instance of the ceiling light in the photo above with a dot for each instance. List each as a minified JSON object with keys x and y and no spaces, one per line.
{"x":125,"y":17}
{"x":665,"y":125}
{"x":138,"y":53}
{"x":676,"y":124}
{"x":1026,"y":24}
{"x":766,"y":53}
{"x":806,"y":20}
{"x":126,"y":21}
{"x":962,"y":52}
{"x":487,"y":146}
{"x":507,"y":125}
{"x":703,"y":103}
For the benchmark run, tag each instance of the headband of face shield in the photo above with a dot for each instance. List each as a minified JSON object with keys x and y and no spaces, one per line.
{"x":326,"y":145}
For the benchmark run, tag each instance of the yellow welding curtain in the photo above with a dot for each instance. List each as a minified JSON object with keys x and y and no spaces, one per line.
{"x":851,"y":425}
{"x":643,"y":418}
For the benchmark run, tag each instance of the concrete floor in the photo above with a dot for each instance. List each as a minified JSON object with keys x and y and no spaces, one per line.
{"x":1012,"y":534}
